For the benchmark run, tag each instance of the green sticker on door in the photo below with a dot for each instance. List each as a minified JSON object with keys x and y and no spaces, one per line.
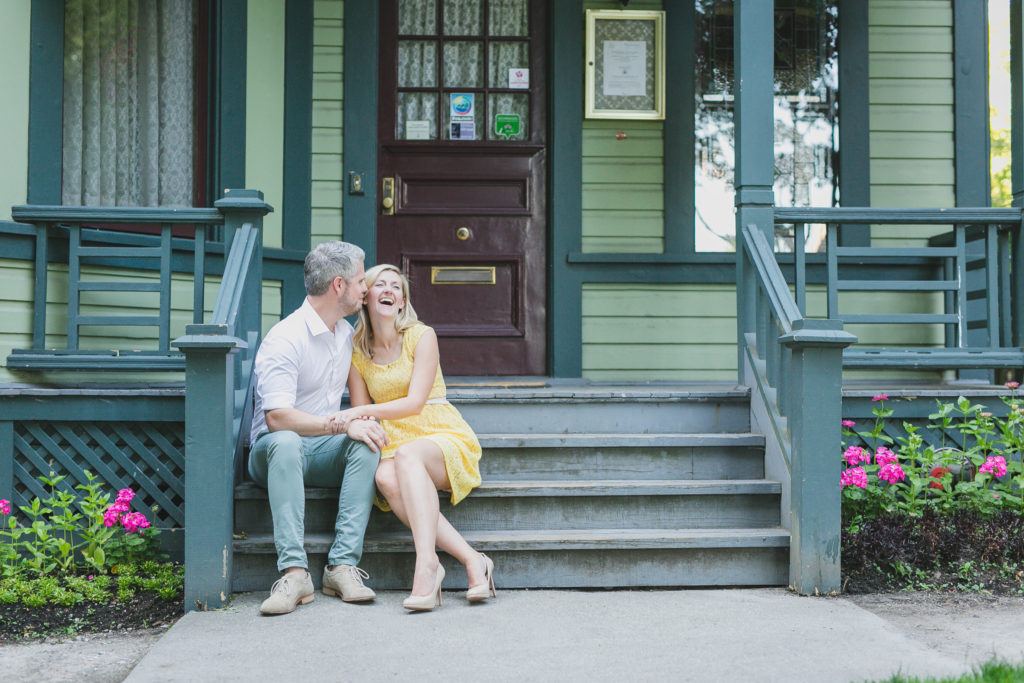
{"x":506,"y":125}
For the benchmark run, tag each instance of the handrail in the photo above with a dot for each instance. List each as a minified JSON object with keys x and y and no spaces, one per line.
{"x":115,"y":214}
{"x":763,"y":258}
{"x":866,"y":215}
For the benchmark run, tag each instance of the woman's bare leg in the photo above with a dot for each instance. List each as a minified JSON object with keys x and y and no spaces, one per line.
{"x":446,"y":536}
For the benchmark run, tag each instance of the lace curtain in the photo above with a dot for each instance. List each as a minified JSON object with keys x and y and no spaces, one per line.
{"x":128,"y":103}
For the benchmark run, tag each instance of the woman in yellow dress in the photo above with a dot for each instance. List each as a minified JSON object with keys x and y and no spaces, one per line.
{"x":395,"y":363}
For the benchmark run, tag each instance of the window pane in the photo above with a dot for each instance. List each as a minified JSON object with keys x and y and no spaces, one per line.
{"x":416,"y":116}
{"x":806,"y":122}
{"x":508,"y":18}
{"x":510,"y":116}
{"x":503,"y":57}
{"x":128,"y":122}
{"x":417,"y":64}
{"x":417,"y":17}
{"x":463,"y":64}
{"x":463,"y":17}
{"x":462,"y":116}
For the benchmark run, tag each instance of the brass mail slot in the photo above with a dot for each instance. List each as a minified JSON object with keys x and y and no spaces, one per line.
{"x":462,"y":275}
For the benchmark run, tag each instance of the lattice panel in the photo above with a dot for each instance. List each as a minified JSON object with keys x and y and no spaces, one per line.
{"x":148,"y":457}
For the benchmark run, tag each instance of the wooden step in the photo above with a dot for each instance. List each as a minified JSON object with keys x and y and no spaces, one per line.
{"x":558,"y":558}
{"x":562,"y":504}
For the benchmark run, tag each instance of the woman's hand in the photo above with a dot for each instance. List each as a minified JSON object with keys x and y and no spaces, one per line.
{"x":338,"y":422}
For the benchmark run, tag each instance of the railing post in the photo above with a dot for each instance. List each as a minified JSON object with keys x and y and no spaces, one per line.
{"x":814,"y":383}
{"x":209,"y":463}
{"x":239,"y":207}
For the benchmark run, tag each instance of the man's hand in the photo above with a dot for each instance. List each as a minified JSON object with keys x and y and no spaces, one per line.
{"x":369,"y":432}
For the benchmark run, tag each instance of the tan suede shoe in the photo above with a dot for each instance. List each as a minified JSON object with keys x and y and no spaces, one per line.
{"x":346,"y":582}
{"x":287,"y":593}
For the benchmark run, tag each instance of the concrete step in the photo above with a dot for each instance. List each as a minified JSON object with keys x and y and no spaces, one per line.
{"x":557,"y":558}
{"x":622,"y":456}
{"x":540,"y":504}
{"x":603,"y":409}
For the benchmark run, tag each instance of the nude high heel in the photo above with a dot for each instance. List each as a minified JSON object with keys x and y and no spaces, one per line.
{"x":425,"y":603}
{"x":485,"y":589}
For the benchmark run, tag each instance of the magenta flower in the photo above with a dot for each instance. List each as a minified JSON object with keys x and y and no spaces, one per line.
{"x":5,"y":506}
{"x":848,"y":423}
{"x":884,"y":456}
{"x":880,"y":397}
{"x":134,"y":521}
{"x":994,"y":465}
{"x":1012,"y":385}
{"x":855,"y":476}
{"x":111,"y":516}
{"x":854,"y":455}
{"x":125,"y":495}
{"x":891,"y":472}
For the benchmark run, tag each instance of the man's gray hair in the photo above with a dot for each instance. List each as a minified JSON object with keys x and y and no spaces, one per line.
{"x":327,"y":261}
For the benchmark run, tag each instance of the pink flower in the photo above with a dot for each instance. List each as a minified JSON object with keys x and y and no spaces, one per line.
{"x":125,"y":495}
{"x":994,"y":465}
{"x":1012,"y":385}
{"x":891,"y":472}
{"x":111,"y":516}
{"x":134,"y":521}
{"x":5,"y":506}
{"x":884,"y":456}
{"x":854,"y":476}
{"x":880,"y":397}
{"x":854,"y":455}
{"x":848,"y":423}
{"x":119,"y":506}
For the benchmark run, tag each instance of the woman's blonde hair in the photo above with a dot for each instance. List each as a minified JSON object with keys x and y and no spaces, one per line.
{"x":362,"y":340}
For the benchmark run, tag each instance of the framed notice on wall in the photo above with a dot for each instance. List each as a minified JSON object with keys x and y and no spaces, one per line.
{"x":625,"y":64}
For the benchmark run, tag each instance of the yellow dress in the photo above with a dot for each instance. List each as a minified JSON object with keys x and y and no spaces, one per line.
{"x":439,"y":421}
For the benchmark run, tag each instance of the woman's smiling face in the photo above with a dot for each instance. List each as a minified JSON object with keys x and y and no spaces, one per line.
{"x":385,"y":296}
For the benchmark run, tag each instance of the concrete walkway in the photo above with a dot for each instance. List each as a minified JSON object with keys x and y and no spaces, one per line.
{"x":540,"y":635}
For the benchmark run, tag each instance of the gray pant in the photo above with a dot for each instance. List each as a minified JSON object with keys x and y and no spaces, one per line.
{"x":285,"y":462}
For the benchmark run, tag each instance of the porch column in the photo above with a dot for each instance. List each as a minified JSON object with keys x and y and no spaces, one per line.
{"x":754,"y":120}
{"x":1017,"y":159}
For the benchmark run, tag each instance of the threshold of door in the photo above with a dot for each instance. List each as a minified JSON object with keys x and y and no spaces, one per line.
{"x":499,"y":382}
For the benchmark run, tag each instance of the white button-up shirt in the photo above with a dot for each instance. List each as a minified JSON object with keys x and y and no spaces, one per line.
{"x":301,"y":364}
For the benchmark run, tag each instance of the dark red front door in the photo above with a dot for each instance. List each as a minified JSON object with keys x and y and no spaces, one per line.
{"x":462,"y":175}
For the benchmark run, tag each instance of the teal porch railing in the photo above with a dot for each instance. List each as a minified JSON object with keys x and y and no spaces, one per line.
{"x":793,"y":366}
{"x":977,"y":267}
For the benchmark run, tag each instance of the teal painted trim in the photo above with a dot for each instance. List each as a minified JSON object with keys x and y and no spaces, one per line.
{"x":7,"y":459}
{"x":359,"y":122}
{"x":565,"y":187}
{"x":651,"y":259}
{"x":113,"y":214}
{"x":46,"y":102}
{"x":970,"y":83}
{"x":226,"y":115}
{"x":854,"y":117}
{"x":679,"y":190}
{"x":298,"y":125}
{"x":21,"y":403}
{"x":1017,"y":101}
{"x":754,"y":50}
{"x":83,"y":361}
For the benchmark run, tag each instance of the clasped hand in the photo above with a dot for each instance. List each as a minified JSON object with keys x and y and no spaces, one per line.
{"x":357,"y":426}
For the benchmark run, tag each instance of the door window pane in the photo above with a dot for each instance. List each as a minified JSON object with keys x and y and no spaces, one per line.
{"x":508,"y":112}
{"x":417,"y":17}
{"x":463,"y":116}
{"x":417,"y":64}
{"x":416,"y":116}
{"x":806,"y":121}
{"x":463,"y":64}
{"x":508,"y":18}
{"x":463,"y":17}
{"x":503,"y":56}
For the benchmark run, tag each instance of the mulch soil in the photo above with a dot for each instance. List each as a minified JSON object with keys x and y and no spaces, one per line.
{"x":145,"y":610}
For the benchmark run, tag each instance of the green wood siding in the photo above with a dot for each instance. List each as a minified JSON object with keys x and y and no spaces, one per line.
{"x":14,"y":55}
{"x":623,"y":180}
{"x":911,"y":97}
{"x":328,"y":109}
{"x":264,"y":103}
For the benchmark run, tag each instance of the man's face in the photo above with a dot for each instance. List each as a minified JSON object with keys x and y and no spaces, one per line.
{"x":351,"y":297}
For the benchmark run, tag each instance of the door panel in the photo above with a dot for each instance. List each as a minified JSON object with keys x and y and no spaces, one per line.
{"x":462,"y":145}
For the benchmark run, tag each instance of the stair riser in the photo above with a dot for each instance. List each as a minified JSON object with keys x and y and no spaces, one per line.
{"x":573,"y":464}
{"x":568,"y":417}
{"x":554,"y":512}
{"x":556,"y":569}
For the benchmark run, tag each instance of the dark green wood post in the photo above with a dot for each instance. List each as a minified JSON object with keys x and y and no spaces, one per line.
{"x":815,"y":384}
{"x":1017,"y":161}
{"x":7,"y":459}
{"x":239,"y":207}
{"x":753,"y":45}
{"x":209,"y":463}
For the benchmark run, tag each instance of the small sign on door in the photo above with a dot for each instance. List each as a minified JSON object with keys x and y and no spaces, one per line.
{"x":462,"y":118}
{"x":506,"y":125}
{"x":519,"y":78}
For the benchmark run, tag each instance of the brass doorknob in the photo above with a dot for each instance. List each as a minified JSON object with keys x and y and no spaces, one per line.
{"x":387,"y":202}
{"x":462,"y":233}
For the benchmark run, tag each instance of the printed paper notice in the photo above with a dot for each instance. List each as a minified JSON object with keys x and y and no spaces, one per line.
{"x":519,"y":78}
{"x":417,"y":130}
{"x":625,"y":68}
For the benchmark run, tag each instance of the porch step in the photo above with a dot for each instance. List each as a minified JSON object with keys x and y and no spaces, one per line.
{"x":524,"y":505}
{"x":558,"y":558}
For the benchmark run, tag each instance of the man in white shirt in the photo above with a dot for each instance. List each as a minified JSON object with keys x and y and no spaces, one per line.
{"x":301,"y":371}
